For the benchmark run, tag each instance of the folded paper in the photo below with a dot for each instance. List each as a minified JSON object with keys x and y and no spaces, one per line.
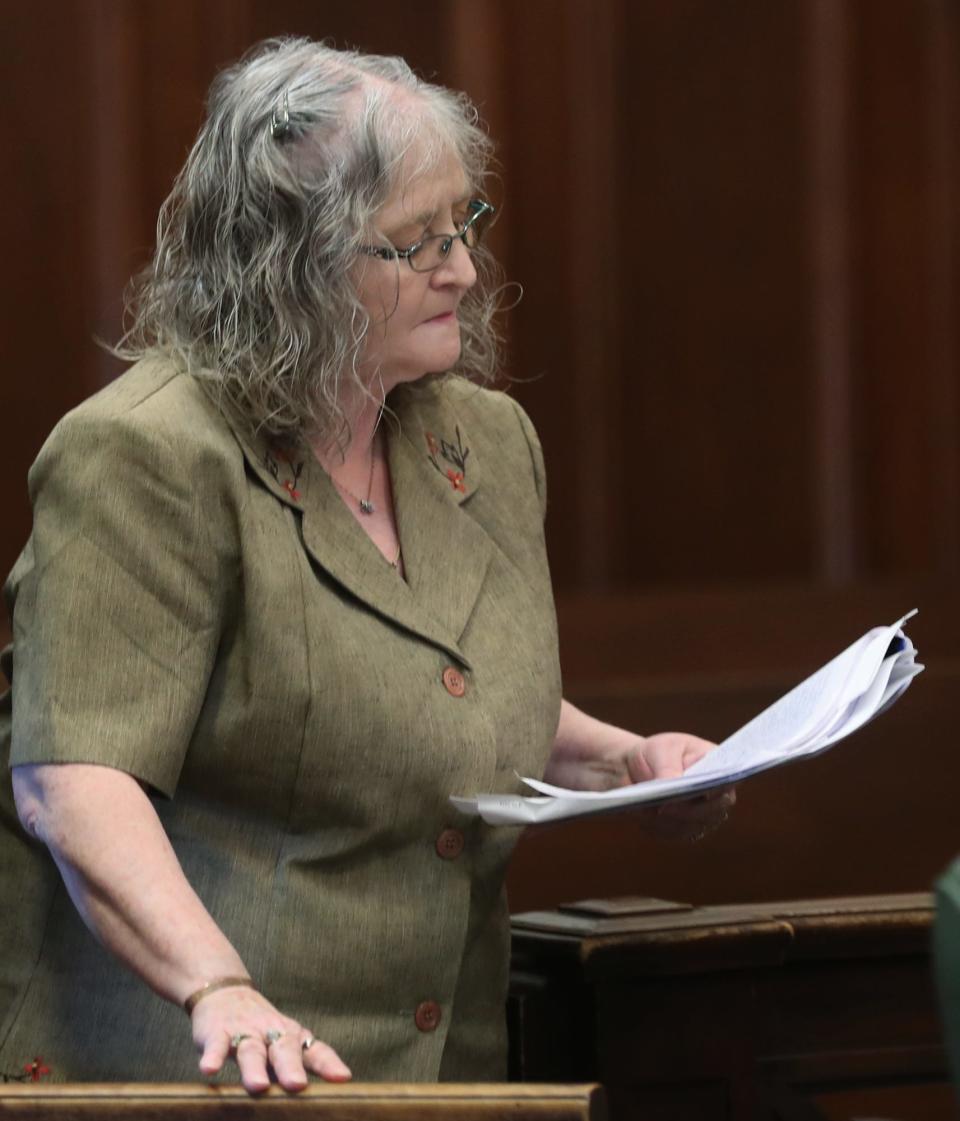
{"x":831,"y":704}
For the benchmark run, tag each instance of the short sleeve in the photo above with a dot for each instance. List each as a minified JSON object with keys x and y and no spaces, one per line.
{"x":536,"y":455}
{"x":117,"y":600}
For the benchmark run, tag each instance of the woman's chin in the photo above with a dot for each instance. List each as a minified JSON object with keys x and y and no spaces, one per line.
{"x":439,"y":363}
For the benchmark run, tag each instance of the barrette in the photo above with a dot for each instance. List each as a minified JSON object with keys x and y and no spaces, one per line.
{"x":280,"y":121}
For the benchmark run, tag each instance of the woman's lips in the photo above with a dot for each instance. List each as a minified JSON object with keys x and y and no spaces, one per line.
{"x":443,"y":317}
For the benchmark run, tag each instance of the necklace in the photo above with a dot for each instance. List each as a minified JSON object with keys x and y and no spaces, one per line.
{"x":363,"y":504}
{"x":367,"y":506}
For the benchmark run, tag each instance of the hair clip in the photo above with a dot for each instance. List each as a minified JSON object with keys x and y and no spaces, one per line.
{"x":280,"y":121}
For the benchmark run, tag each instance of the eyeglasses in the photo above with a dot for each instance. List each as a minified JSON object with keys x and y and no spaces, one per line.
{"x":430,"y":252}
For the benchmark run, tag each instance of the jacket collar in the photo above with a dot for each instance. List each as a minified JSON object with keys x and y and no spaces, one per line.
{"x":280,"y":469}
{"x":435,"y":473}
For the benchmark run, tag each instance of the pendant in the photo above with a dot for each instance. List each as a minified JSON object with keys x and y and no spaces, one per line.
{"x":366,"y":506}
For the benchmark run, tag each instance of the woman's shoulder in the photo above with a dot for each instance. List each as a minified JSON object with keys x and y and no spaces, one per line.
{"x":482,"y":409}
{"x":151,"y":397}
{"x":153,"y":412}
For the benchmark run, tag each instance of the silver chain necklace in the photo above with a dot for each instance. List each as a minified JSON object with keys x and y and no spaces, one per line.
{"x":365,"y":505}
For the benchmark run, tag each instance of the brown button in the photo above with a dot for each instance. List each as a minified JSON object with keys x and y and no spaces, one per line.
{"x":427,"y":1015}
{"x":454,"y":682}
{"x":450,"y":844}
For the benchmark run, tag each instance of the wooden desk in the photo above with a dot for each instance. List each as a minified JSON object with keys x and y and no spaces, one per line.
{"x":816,"y":1009}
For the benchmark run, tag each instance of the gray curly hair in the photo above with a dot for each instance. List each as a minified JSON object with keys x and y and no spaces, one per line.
{"x":250,"y":285}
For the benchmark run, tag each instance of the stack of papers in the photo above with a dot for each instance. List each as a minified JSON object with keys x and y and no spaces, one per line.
{"x":834,"y":702}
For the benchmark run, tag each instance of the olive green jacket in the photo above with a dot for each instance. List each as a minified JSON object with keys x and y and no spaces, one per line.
{"x":202,"y":611}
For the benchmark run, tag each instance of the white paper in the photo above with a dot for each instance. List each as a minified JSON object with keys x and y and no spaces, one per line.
{"x":841,"y":697}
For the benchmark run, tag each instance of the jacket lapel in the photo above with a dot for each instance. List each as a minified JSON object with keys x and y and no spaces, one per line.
{"x":281,"y":472}
{"x":434,"y":473}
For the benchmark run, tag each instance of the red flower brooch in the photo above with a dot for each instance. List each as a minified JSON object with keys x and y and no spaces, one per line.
{"x":454,"y":454}
{"x":285,"y":471}
{"x":32,"y":1071}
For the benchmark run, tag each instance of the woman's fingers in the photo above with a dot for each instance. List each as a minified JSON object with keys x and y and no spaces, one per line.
{"x":251,"y":1056}
{"x":215,"y":1052}
{"x":666,"y":755}
{"x":284,"y":1054}
{"x":325,"y":1062}
{"x":694,"y":818}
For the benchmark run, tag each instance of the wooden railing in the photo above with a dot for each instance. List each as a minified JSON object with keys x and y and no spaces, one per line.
{"x":352,"y":1102}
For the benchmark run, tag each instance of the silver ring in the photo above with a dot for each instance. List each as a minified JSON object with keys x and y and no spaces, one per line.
{"x":236,"y":1040}
{"x":308,"y":1042}
{"x":274,"y":1035}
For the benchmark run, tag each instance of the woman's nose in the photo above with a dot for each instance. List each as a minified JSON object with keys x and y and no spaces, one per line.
{"x":457,"y":267}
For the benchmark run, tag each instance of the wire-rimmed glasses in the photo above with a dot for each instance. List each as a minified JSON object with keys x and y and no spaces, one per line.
{"x":430,"y":252}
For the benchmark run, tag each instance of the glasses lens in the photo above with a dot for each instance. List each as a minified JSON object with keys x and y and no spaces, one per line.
{"x":434,"y":250}
{"x":431,"y":252}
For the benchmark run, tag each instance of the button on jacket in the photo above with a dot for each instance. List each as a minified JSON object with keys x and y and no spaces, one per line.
{"x":201,"y":610}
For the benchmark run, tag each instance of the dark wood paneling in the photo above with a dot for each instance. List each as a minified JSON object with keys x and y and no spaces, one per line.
{"x":902,"y":172}
{"x":536,"y":152}
{"x":417,"y":31}
{"x":827,"y":127}
{"x":45,"y":210}
{"x":715,"y":383}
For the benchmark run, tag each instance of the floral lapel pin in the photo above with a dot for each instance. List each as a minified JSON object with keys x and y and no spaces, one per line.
{"x":441,"y":452}
{"x":32,"y":1071}
{"x":285,"y":471}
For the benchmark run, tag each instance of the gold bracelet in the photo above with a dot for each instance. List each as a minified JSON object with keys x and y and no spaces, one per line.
{"x":212,"y":986}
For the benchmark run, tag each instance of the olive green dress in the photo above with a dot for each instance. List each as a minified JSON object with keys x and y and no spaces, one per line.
{"x":201,"y":610}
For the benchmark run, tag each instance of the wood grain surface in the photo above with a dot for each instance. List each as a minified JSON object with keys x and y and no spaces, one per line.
{"x":351,"y":1102}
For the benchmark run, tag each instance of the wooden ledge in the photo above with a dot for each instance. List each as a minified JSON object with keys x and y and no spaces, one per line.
{"x":654,"y":937}
{"x":370,"y":1101}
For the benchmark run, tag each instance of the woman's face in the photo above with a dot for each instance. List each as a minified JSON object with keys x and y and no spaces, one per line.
{"x":413,"y":315}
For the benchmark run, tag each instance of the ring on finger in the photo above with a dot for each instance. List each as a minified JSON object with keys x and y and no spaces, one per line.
{"x":308,"y":1042}
{"x":236,"y":1040}
{"x":274,"y":1035}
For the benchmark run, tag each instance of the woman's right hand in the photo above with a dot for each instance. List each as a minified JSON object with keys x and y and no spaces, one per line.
{"x":237,"y":1021}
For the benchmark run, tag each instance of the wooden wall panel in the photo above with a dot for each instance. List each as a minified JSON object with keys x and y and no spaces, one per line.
{"x":544,"y":329}
{"x":418,"y":31}
{"x":904,"y":121}
{"x":942,"y":237}
{"x":827,"y":98}
{"x":717,"y":401}
{"x":45,"y":217}
{"x":151,"y":66}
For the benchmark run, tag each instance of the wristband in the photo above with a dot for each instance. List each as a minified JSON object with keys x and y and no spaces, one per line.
{"x":212,"y":986}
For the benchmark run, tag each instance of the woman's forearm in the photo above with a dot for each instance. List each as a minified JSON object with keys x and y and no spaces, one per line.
{"x":123,"y":875}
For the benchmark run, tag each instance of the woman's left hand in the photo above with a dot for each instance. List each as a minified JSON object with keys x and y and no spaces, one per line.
{"x":668,"y":755}
{"x":591,"y":755}
{"x":665,"y":755}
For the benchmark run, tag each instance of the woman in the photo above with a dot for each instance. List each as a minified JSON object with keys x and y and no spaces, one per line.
{"x":285,"y":594}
